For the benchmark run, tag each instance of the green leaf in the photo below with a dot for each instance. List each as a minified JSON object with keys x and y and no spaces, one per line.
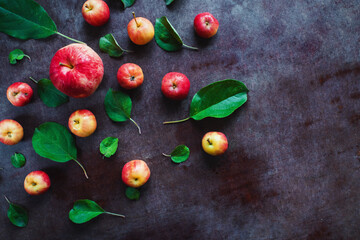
{"x":109,"y":45}
{"x":167,"y":37}
{"x":17,"y":214}
{"x":84,"y":210}
{"x":132,"y":193}
{"x":128,"y":3}
{"x":108,"y":146}
{"x":17,"y":54}
{"x":168,"y":2}
{"x":49,"y":95}
{"x":18,"y":160}
{"x":179,"y":154}
{"x":118,"y":107}
{"x":217,"y":100}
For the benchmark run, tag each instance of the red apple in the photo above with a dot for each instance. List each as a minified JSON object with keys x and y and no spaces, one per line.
{"x":82,"y":123}
{"x":140,"y":30}
{"x":19,"y":94}
{"x":11,"y":132}
{"x":135,"y":173}
{"x":96,"y":12}
{"x":37,"y":182}
{"x":206,"y":25}
{"x":175,"y":86}
{"x":76,"y":70}
{"x":214,"y":143}
{"x":130,"y":76}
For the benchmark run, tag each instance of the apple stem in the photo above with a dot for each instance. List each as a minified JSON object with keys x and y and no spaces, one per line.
{"x":115,"y":214}
{"x":7,"y":199}
{"x":137,"y":24}
{"x":82,"y":168}
{"x":66,"y":65}
{"x":136,"y":125}
{"x":72,"y":39}
{"x":34,"y":80}
{"x":166,"y":155}
{"x":177,"y":121}
{"x":193,"y":48}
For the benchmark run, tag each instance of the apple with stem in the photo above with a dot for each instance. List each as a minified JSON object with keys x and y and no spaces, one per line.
{"x":135,"y":173}
{"x":96,"y":12}
{"x":206,"y":25}
{"x":140,"y":30}
{"x":214,"y":143}
{"x":130,"y":76}
{"x":19,"y":94}
{"x":11,"y":132}
{"x":37,"y":182}
{"x":76,"y":70}
{"x":175,"y":86}
{"x":82,"y":123}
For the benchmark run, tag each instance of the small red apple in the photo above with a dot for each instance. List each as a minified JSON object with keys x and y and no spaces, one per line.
{"x":19,"y":94}
{"x":206,"y":25}
{"x":37,"y":182}
{"x":11,"y":132}
{"x":214,"y":143}
{"x":96,"y":12}
{"x":76,"y":70}
{"x":82,"y":123}
{"x":140,"y":30}
{"x":135,"y":173}
{"x":175,"y":86}
{"x":130,"y":76}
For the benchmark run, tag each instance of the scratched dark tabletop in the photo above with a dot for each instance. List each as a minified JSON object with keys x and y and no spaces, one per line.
{"x":292,"y":168}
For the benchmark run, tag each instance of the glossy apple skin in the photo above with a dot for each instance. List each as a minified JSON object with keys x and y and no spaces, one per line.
{"x":130,"y":76}
{"x":37,"y":182}
{"x":135,"y":173}
{"x":96,"y":12}
{"x":142,"y":34}
{"x":19,"y":94}
{"x":83,"y":73}
{"x":175,"y":86}
{"x":214,"y":143}
{"x":11,"y":132}
{"x":82,"y":123}
{"x":206,"y":25}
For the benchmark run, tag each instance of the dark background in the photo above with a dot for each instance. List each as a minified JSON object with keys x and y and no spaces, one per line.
{"x":292,"y":168}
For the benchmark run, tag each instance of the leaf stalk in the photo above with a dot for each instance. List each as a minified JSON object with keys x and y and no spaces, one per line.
{"x":190,"y":47}
{"x":176,"y":121}
{"x":82,"y":168}
{"x":115,"y":214}
{"x":136,"y":125}
{"x":34,"y":80}
{"x":166,"y":155}
{"x":72,"y":39}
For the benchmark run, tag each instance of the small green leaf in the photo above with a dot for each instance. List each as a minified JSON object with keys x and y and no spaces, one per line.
{"x":132,"y":193}
{"x":17,"y":214}
{"x":168,"y":2}
{"x":18,"y":160}
{"x":84,"y":210}
{"x":180,"y":154}
{"x":49,"y":95}
{"x":167,"y":37}
{"x":108,"y":146}
{"x":109,"y":45}
{"x":128,"y":3}
{"x":17,"y":54}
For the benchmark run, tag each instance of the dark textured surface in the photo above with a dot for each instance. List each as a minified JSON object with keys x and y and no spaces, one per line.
{"x":292,"y":168}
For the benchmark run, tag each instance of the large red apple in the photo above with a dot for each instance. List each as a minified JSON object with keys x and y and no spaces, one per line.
{"x":76,"y":70}
{"x":37,"y":182}
{"x":214,"y":143}
{"x":206,"y":25}
{"x":19,"y":94}
{"x":175,"y":86}
{"x":140,"y":30}
{"x":95,"y":12}
{"x":135,"y":173}
{"x":11,"y":132}
{"x":130,"y":76}
{"x":82,"y":123}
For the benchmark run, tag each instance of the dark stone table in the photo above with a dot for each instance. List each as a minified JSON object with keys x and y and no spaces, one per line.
{"x":292,"y":168}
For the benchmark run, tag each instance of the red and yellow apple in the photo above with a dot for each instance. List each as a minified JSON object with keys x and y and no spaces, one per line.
{"x":82,"y":123}
{"x":214,"y":143}
{"x":96,"y":12}
{"x":76,"y":70}
{"x":130,"y":76}
{"x":175,"y":86}
{"x":135,"y":173}
{"x":37,"y":182}
{"x":140,"y":30}
{"x":206,"y":25}
{"x":19,"y":94}
{"x":11,"y":132}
